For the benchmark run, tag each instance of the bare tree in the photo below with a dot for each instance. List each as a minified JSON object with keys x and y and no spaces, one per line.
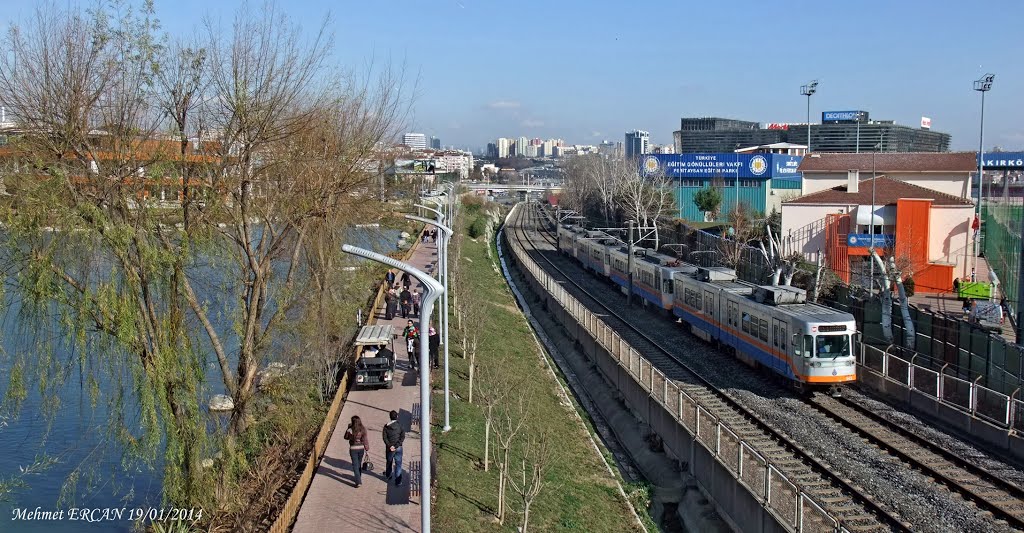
{"x":509,"y":422}
{"x":645,"y":199}
{"x":536,"y":461}
{"x":781,"y":264}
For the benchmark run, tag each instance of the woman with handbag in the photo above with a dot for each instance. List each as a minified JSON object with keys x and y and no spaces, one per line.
{"x":358,"y":447}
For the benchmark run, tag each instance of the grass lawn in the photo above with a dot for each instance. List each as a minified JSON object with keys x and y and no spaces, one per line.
{"x":580,"y":494}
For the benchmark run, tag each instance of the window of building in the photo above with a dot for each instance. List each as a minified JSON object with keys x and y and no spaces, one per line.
{"x":692,"y":183}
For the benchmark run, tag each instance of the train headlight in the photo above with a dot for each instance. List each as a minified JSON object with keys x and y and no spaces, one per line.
{"x":360,"y":378}
{"x":816,"y":364}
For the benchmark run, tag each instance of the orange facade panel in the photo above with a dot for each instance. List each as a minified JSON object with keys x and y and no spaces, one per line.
{"x":837,"y":227}
{"x":934,"y":278}
{"x":913,"y":224}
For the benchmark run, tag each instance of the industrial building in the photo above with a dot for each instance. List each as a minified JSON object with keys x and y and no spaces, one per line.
{"x":840,"y":131}
{"x":758,"y":181}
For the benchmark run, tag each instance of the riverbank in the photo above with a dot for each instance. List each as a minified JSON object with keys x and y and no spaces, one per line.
{"x":579,"y":494}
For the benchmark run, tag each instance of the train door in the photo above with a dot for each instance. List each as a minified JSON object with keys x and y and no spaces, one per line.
{"x":732,"y":319}
{"x":778,"y":345}
{"x":709,"y":312}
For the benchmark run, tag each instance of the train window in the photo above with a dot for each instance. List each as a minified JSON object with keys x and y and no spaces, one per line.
{"x":808,"y":346}
{"x":764,"y":330}
{"x":732,"y":314}
{"x":782,"y":337}
{"x":746,"y":323}
{"x":669,"y":287}
{"x":831,"y":346}
{"x":696,"y":300}
{"x":709,"y":303}
{"x":775,"y":336}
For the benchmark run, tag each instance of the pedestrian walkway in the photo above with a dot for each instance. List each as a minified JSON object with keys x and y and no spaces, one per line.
{"x":333,"y":503}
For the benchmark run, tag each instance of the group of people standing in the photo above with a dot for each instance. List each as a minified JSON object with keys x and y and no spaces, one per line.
{"x":406,"y":301}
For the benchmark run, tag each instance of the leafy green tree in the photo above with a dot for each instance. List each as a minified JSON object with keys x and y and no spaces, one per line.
{"x":708,"y":200}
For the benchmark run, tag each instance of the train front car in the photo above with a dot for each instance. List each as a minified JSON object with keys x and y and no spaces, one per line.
{"x":823,"y":346}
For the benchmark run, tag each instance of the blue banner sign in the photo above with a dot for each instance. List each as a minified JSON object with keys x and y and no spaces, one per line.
{"x":832,"y":116}
{"x":863,"y":240}
{"x":723,"y":165}
{"x":1004,"y":160}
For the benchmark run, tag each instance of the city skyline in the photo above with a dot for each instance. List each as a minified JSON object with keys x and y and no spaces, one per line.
{"x":585,"y":61}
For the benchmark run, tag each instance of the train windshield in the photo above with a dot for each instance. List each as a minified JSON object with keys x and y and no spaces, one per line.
{"x":832,"y":346}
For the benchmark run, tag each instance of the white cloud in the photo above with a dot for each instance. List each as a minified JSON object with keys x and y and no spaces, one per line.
{"x":595,"y":134}
{"x":531,"y":123}
{"x":504,"y":104}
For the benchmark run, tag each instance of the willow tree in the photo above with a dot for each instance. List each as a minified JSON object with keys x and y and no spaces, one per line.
{"x":265,"y":150}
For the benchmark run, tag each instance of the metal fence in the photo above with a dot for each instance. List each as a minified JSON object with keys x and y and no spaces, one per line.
{"x":784,"y":499}
{"x":1003,"y":410}
{"x":1002,"y":242}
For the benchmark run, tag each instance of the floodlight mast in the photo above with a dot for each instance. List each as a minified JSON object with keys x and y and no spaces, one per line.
{"x":808,"y":90}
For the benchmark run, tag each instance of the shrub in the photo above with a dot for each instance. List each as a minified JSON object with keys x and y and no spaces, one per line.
{"x":478,"y":227}
{"x":908,"y":286}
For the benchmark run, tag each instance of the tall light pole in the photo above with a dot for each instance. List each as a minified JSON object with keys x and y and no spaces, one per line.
{"x":433,"y":290}
{"x":442,"y":255}
{"x":982,"y":85}
{"x":808,"y":90}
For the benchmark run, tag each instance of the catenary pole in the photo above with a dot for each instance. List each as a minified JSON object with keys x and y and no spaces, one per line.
{"x":433,"y":290}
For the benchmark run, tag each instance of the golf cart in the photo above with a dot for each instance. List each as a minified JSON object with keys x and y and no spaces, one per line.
{"x":375,"y":360}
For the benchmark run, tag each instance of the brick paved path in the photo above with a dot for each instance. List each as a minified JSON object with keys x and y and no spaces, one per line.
{"x":333,"y":504}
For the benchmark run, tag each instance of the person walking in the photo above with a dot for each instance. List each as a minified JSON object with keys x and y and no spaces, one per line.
{"x":358,"y":447}
{"x":406,"y":280}
{"x":416,"y":303}
{"x":390,"y":304}
{"x":405,"y":297}
{"x":414,"y":354}
{"x":390,"y":278}
{"x":434,"y":346}
{"x":394,"y":436}
{"x":410,"y":333}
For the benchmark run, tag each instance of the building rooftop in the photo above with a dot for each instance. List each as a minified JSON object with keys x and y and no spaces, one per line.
{"x":890,"y":162}
{"x":886,"y":192}
{"x":772,"y":146}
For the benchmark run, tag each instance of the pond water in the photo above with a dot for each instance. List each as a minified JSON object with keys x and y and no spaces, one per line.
{"x":75,"y":438}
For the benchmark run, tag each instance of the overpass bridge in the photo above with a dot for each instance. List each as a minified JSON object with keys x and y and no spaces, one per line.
{"x":531,"y":188}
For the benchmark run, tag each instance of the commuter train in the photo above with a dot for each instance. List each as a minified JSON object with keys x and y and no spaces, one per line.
{"x":770,"y":326}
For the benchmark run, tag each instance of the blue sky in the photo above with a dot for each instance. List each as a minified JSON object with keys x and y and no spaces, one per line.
{"x":587,"y":70}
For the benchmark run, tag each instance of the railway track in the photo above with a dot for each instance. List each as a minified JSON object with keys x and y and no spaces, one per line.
{"x":856,"y":510}
{"x":990,"y":492}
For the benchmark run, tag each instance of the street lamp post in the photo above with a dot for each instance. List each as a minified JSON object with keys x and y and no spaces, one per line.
{"x":446,"y":233}
{"x":808,"y":90}
{"x":982,"y":85}
{"x":433,"y":290}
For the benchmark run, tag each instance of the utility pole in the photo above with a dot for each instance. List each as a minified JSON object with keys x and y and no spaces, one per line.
{"x":982,"y":85}
{"x":629,"y":265}
{"x":808,"y":90}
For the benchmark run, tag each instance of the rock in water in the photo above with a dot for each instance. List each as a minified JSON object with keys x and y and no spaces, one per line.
{"x":221,"y":402}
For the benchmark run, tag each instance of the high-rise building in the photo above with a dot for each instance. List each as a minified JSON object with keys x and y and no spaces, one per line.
{"x":492,"y":150}
{"x":531,"y":150}
{"x":416,"y":141}
{"x":521,"y":144}
{"x":637,"y":143}
{"x":548,"y":148}
{"x":435,"y":143}
{"x":503,"y":147}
